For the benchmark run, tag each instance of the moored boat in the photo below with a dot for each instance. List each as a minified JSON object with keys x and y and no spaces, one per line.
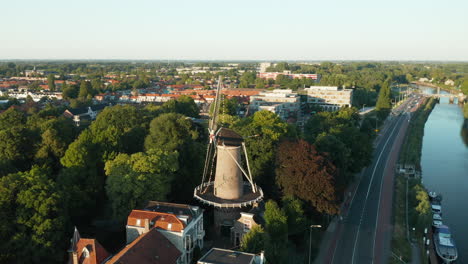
{"x":445,"y":244}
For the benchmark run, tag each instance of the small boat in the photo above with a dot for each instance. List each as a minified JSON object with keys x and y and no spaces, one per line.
{"x":436,"y":209}
{"x":436,"y":220}
{"x":435,"y":197}
{"x":436,"y":204}
{"x":444,"y":244}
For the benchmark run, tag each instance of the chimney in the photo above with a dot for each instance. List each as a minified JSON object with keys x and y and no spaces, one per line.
{"x":262,"y":257}
{"x":147,"y":226}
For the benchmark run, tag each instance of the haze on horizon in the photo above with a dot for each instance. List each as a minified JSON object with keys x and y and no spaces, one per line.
{"x":240,"y":30}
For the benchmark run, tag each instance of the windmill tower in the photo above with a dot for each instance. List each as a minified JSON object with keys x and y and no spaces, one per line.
{"x":227,"y":192}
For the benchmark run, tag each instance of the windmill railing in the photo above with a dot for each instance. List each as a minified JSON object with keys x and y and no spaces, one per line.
{"x":240,"y":202}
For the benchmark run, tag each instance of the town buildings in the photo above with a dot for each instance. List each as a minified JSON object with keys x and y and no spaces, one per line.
{"x":83,"y":113}
{"x":181,"y":224}
{"x":274,"y":75}
{"x":284,"y":103}
{"x":330,"y":98}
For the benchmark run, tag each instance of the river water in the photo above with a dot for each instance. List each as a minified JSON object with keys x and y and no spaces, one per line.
{"x":444,"y":165}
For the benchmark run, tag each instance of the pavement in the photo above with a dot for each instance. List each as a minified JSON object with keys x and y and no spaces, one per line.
{"x":364,"y":233}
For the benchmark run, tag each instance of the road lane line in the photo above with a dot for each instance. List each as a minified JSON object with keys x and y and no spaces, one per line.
{"x":380,"y":192}
{"x":368,"y":190}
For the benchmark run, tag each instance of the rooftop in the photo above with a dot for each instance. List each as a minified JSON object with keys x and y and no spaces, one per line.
{"x":151,"y":247}
{"x":225,"y":256}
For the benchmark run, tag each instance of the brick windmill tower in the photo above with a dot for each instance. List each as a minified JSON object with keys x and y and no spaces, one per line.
{"x":232,"y":187}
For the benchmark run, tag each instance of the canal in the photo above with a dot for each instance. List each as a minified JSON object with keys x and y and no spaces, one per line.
{"x":444,"y":165}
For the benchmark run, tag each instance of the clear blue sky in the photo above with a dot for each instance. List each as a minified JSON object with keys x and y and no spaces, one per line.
{"x":235,"y":30}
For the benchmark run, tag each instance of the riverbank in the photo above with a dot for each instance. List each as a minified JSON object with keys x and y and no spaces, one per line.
{"x":405,"y":217}
{"x":440,"y":86}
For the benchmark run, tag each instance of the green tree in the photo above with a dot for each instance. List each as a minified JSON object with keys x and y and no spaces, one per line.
{"x":254,"y":240}
{"x":70,"y":91}
{"x":31,"y":218}
{"x":183,"y":105}
{"x":170,"y":131}
{"x":262,"y":132}
{"x":51,"y":82}
{"x":137,"y":178}
{"x":293,"y":209}
{"x":85,"y":89}
{"x":12,"y":118}
{"x":384,"y":103}
{"x":276,"y":225}
{"x":464,"y":87}
{"x":260,"y":83}
{"x":174,"y":132}
{"x":16,"y":145}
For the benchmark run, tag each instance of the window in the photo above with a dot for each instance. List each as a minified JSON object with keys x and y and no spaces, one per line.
{"x":138,"y":222}
{"x":247,"y":225}
{"x":169,"y":226}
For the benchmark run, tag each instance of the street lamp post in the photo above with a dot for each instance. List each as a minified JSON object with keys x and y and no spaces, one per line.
{"x":310,"y":238}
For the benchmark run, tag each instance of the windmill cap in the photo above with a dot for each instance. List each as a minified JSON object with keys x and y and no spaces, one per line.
{"x":228,"y":137}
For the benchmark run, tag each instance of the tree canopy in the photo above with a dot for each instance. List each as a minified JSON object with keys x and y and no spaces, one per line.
{"x":137,"y":178}
{"x":305,"y":173}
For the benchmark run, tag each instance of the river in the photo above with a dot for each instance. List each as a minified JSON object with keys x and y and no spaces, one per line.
{"x":444,"y":165}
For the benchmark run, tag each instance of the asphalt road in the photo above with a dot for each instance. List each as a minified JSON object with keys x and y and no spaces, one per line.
{"x":356,"y":243}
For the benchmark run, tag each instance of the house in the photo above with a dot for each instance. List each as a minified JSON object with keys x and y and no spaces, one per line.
{"x":181,"y":224}
{"x":225,"y":256}
{"x":83,"y":113}
{"x":242,"y":226}
{"x":86,"y":250}
{"x":150,"y":248}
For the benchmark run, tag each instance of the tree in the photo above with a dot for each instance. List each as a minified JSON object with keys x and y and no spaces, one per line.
{"x":16,"y":145}
{"x":12,"y":118}
{"x":384,"y":103}
{"x":57,"y":134}
{"x":260,"y":83}
{"x":254,"y":240}
{"x":30,"y":218}
{"x":175,"y":132}
{"x":137,"y":178}
{"x":276,"y":225}
{"x":85,"y":89}
{"x":303,"y":172}
{"x":424,"y":206}
{"x":262,"y":132}
{"x":292,"y":207}
{"x":51,"y":82}
{"x":183,"y":105}
{"x":70,"y":91}
{"x":170,"y":131}
{"x":464,"y":87}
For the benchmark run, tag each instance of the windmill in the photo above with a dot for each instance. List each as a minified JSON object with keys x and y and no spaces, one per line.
{"x":226,"y":190}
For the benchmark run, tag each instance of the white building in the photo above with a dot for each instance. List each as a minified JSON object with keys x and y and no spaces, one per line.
{"x":263,"y":66}
{"x":36,"y":96}
{"x":181,"y":224}
{"x":284,"y":103}
{"x":330,"y":98}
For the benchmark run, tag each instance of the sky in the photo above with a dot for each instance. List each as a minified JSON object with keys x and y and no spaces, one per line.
{"x":234,"y":30}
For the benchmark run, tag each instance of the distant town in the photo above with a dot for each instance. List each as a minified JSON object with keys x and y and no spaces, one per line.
{"x":215,"y":162}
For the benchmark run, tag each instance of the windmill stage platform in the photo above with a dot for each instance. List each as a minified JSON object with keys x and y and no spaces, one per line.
{"x":205,"y":194}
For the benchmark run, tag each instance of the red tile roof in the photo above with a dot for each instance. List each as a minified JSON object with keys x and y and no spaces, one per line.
{"x":159,"y":220}
{"x":97,"y":253}
{"x":151,"y":247}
